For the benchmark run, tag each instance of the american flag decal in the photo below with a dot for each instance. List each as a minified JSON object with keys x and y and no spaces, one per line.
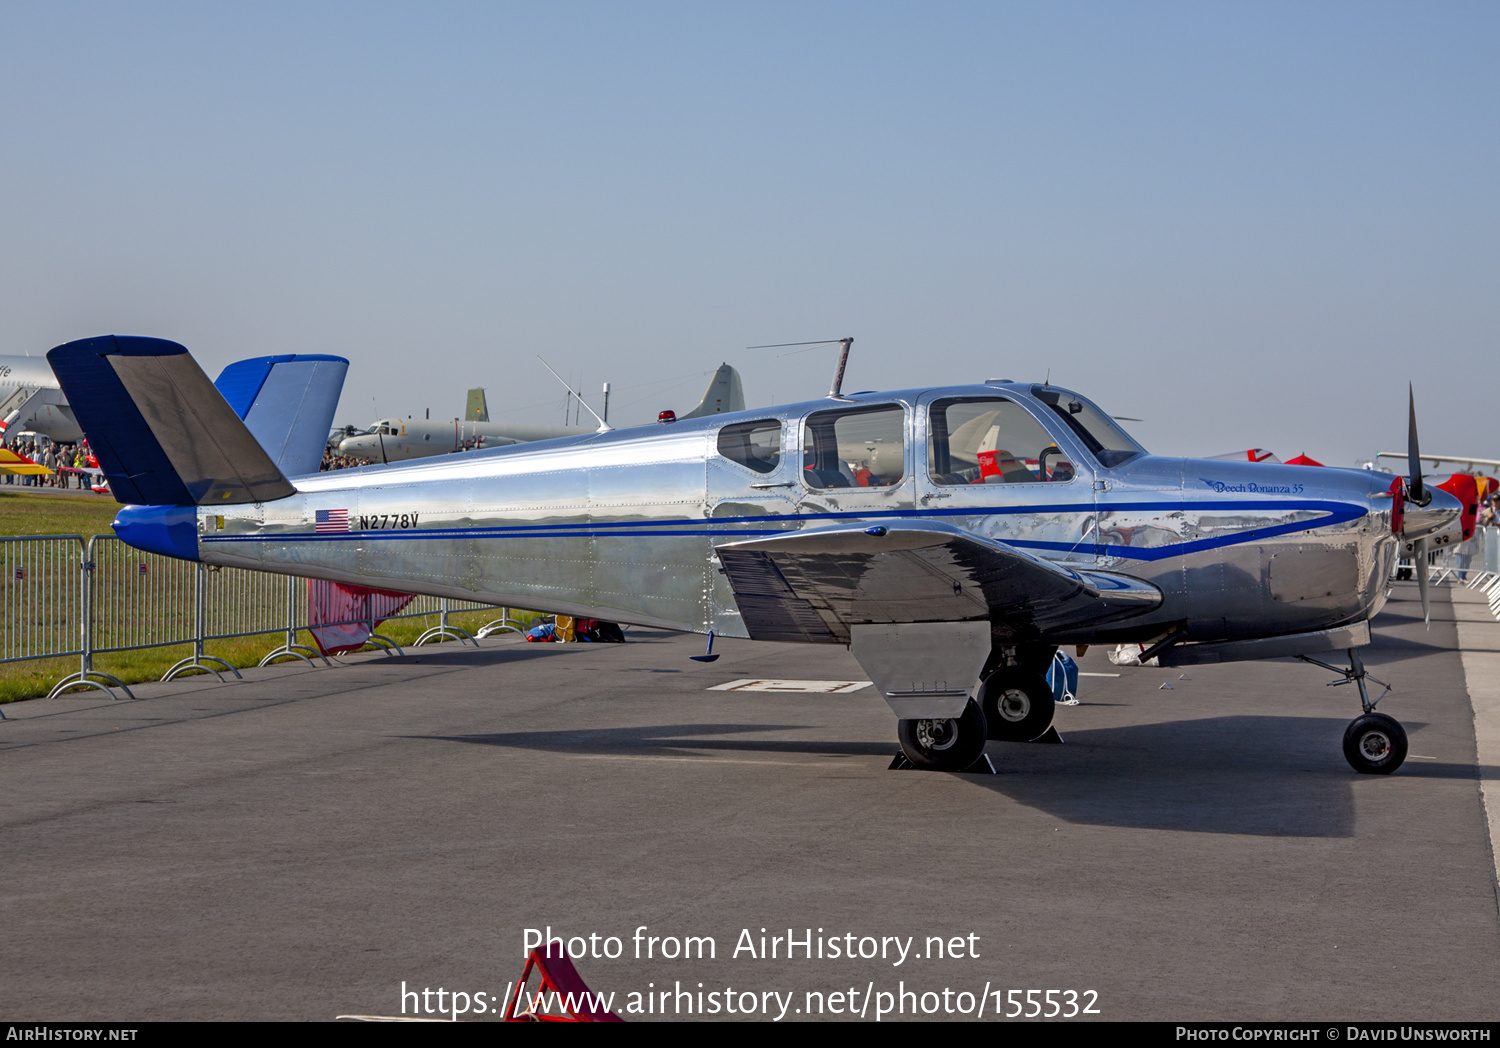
{"x":331,"y":520}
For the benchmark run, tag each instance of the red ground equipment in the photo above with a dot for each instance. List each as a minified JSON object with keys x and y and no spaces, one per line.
{"x":561,"y":979}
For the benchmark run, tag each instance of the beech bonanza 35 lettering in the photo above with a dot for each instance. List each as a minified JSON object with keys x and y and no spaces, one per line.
{"x":952,"y":537}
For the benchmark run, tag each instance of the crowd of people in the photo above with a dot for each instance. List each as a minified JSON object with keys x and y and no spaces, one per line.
{"x":333,"y":460}
{"x":57,"y":457}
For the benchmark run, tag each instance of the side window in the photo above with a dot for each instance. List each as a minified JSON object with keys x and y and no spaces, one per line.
{"x":756,"y":445}
{"x":855,"y":448}
{"x":990,"y":440}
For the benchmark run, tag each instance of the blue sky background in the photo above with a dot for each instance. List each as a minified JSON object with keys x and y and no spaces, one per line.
{"x":1246,"y":224}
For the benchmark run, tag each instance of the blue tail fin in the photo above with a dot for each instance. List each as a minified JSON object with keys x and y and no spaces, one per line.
{"x":288,"y":403}
{"x":163,"y":434}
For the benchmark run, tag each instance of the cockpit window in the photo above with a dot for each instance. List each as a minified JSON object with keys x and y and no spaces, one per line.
{"x":855,"y":448}
{"x":1110,"y":444}
{"x":991,"y":440}
{"x":753,"y":444}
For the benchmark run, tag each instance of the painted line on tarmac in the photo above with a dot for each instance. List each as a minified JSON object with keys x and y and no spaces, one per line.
{"x":1479,"y":647}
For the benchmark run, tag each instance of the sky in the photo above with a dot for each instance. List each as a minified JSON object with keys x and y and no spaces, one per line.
{"x":1247,"y":225}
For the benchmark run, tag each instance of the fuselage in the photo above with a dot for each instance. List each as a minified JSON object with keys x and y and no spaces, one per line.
{"x":623,"y":525}
{"x":400,"y":440}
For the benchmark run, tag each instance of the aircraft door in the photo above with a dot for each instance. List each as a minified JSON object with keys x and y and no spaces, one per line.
{"x":991,"y":467}
{"x":855,"y":464}
{"x":750,"y":478}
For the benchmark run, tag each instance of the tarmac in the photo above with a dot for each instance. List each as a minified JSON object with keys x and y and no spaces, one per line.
{"x":309,"y":843}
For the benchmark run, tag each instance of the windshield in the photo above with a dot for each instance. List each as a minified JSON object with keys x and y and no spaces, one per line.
{"x":1108,"y":443}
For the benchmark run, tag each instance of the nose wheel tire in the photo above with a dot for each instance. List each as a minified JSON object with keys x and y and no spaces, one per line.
{"x":1017,"y":703}
{"x":1375,"y":744}
{"x":944,"y":745}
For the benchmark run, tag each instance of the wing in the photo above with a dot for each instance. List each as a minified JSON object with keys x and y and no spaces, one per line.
{"x":813,"y":585}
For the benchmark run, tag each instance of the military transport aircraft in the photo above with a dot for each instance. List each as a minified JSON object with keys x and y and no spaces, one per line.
{"x":397,"y":440}
{"x":952,"y":537}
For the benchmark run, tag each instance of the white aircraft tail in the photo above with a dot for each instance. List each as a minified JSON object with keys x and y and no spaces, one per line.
{"x":724,"y":394}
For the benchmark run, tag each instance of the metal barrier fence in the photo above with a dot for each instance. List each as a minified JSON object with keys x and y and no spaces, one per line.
{"x":69,"y":596}
{"x":1458,"y":563}
{"x":43,"y":597}
{"x":1482,"y":572}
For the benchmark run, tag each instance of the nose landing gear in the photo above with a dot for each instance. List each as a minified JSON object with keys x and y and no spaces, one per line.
{"x":1374,"y":744}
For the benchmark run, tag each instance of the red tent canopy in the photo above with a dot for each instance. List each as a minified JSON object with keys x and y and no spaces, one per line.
{"x":1302,"y":460}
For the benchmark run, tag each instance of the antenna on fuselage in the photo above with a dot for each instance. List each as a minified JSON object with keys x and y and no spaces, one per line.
{"x":836,"y":390}
{"x":604,"y":427}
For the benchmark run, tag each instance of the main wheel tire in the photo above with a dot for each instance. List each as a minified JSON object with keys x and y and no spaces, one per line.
{"x":1017,"y":703}
{"x":1375,"y":744}
{"x":944,"y":745}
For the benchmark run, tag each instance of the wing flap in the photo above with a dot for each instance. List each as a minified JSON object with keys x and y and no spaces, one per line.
{"x":814,"y":585}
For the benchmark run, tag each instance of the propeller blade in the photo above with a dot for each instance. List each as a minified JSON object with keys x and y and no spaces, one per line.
{"x":1419,"y":493}
{"x":1419,"y":563}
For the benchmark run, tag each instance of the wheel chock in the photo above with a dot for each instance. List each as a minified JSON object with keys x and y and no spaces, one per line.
{"x":562,"y":983}
{"x":1050,"y":736}
{"x":982,"y":766}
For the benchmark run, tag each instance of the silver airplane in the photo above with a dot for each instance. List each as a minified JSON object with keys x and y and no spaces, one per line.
{"x":398,"y":440}
{"x":953,"y":538}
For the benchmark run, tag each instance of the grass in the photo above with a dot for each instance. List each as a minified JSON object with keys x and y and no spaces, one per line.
{"x":33,"y":679}
{"x":44,"y":511}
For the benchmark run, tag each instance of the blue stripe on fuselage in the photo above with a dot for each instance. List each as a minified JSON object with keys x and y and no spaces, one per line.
{"x":1337,"y":513}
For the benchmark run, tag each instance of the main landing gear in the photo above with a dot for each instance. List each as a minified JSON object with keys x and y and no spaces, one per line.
{"x":1017,"y":703}
{"x":1014,"y":704}
{"x":1374,"y":744}
{"x":944,"y":745}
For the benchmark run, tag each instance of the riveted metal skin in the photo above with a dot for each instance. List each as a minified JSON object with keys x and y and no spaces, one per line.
{"x":653,"y":526}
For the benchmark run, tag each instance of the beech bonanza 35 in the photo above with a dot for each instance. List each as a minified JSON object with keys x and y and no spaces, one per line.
{"x":951,"y":537}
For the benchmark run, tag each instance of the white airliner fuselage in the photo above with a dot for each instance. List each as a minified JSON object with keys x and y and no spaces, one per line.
{"x":32,"y":401}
